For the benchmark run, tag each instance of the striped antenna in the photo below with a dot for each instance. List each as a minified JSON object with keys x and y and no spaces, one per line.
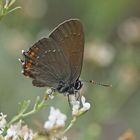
{"x":101,"y":84}
{"x":97,"y":83}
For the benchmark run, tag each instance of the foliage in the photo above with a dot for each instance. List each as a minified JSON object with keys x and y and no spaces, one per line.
{"x":5,"y":7}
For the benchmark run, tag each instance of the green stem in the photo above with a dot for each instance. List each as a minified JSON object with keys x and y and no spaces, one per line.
{"x":71,"y":124}
{"x":22,"y":116}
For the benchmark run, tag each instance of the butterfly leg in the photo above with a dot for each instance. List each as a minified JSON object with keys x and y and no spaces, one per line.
{"x":70,"y":105}
{"x":77,"y":95}
{"x":74,"y":98}
{"x":50,"y":92}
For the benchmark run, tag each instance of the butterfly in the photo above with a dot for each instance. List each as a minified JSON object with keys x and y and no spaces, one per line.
{"x":56,"y":61}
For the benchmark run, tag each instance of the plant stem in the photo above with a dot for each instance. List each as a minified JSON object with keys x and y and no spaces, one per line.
{"x":24,"y":115}
{"x":71,"y":124}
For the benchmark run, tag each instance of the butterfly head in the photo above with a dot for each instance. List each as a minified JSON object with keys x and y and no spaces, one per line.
{"x":69,"y":88}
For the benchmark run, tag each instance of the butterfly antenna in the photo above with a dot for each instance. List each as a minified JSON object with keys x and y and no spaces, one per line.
{"x":101,"y":84}
{"x":98,"y":83}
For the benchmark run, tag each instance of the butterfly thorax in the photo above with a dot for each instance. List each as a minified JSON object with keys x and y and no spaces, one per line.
{"x":69,"y":88}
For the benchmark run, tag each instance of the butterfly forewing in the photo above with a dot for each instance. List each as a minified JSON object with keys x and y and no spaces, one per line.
{"x":58,"y":57}
{"x":70,"y":37}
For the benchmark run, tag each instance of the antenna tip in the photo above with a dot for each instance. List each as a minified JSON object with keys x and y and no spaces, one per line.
{"x":110,"y":85}
{"x":106,"y":85}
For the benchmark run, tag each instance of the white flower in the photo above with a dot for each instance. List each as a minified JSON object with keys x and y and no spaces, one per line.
{"x":75,"y":105}
{"x":76,"y":109}
{"x":2,"y":120}
{"x":56,"y":119}
{"x":17,"y":130}
{"x":26,"y":133}
{"x":48,"y":125}
{"x":50,"y":93}
{"x":86,"y":105}
{"x":13,"y":131}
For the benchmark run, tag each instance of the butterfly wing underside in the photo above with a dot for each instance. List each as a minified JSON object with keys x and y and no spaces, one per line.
{"x":56,"y":58}
{"x":70,"y":36}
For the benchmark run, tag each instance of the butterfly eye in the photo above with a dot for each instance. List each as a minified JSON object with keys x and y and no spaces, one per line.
{"x":78,"y":85}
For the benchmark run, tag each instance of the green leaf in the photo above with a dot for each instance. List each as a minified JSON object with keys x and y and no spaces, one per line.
{"x":6,"y":4}
{"x":9,"y":11}
{"x":24,"y":106}
{"x":37,"y":102}
{"x":11,"y":3}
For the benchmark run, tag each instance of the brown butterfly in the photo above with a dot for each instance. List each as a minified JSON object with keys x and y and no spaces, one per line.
{"x":56,"y":61}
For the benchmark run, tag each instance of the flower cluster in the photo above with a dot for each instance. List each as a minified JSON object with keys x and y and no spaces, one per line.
{"x":56,"y":120}
{"x":54,"y":127}
{"x":15,"y":131}
{"x":77,"y":110}
{"x":55,"y":124}
{"x":18,"y":130}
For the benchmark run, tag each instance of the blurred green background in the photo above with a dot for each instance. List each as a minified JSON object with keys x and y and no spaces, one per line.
{"x":112,"y":55}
